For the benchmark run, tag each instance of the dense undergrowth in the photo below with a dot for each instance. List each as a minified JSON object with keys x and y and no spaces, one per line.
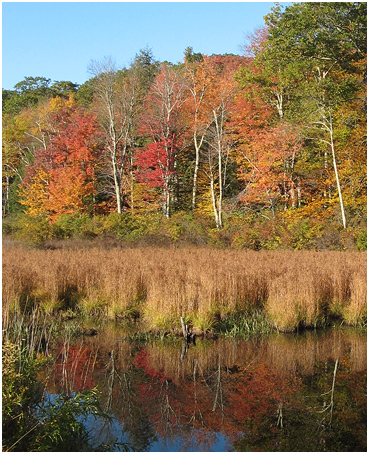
{"x":241,"y":231}
{"x":32,"y":419}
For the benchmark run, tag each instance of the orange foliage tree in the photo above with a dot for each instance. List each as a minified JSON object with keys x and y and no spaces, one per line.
{"x":266,"y":156}
{"x":61,"y":179}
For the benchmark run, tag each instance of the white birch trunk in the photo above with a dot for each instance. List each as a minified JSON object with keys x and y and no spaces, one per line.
{"x":196,"y":169}
{"x":213,"y":201}
{"x":219,"y":133}
{"x":336,"y":172}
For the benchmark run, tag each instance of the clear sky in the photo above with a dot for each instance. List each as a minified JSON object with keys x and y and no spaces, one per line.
{"x":58,"y":40}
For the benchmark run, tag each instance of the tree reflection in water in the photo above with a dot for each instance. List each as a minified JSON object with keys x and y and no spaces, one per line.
{"x":288,"y":392}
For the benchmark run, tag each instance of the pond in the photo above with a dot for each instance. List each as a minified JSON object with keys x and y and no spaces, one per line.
{"x":296,"y":392}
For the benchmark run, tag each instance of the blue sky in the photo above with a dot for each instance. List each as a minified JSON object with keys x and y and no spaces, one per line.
{"x":58,"y":40}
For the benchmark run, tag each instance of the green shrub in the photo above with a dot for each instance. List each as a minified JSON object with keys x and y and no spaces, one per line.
{"x":32,"y":230}
{"x":9,"y":225}
{"x":361,"y":241}
{"x":186,"y":228}
{"x":20,"y":390}
{"x":73,"y":226}
{"x":132,"y":227}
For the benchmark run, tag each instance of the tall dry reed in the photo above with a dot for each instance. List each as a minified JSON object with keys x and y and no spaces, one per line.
{"x":291,"y":287}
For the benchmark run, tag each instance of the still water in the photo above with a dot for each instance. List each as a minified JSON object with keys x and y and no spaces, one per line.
{"x":300,"y":392}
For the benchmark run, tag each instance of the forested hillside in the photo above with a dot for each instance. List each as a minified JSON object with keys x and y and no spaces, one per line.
{"x":264,"y":150}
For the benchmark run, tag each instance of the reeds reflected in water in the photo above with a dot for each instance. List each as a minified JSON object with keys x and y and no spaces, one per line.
{"x":219,"y":386}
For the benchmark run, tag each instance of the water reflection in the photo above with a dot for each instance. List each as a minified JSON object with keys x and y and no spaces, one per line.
{"x":287,"y":392}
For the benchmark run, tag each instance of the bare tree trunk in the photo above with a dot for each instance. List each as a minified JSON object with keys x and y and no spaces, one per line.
{"x":213,"y":201}
{"x":330,"y":406}
{"x":279,"y":103}
{"x":196,"y":169}
{"x":327,"y":125}
{"x":117,"y":108}
{"x":220,"y":199}
{"x":336,"y":171}
{"x":217,"y":199}
{"x":6,"y":196}
{"x":298,"y":193}
{"x":117,"y":184}
{"x":132,"y":181}
{"x":219,"y":129}
{"x":166,"y":195}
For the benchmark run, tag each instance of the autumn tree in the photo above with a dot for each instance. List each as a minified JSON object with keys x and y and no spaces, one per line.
{"x":115,"y":106}
{"x":143,"y":69}
{"x":162,"y":123}
{"x":16,"y":153}
{"x":267,"y":167}
{"x":315,"y":69}
{"x":61,"y":180}
{"x":263,"y":78}
{"x":22,"y":135}
{"x":199,"y":75}
{"x":219,"y":141}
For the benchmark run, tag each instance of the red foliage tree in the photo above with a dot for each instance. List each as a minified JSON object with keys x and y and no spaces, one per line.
{"x":162,"y":122}
{"x":68,"y":162}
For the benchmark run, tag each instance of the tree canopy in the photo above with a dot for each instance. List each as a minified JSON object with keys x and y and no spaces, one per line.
{"x":276,"y":137}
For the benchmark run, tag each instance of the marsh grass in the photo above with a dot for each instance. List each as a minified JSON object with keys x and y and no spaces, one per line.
{"x":245,"y":325}
{"x":289,"y":288}
{"x":31,"y":333}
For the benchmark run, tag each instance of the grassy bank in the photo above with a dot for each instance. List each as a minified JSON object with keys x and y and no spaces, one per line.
{"x":209,"y":287}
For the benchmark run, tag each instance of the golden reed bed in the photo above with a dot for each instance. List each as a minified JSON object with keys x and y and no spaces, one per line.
{"x":160,"y":285}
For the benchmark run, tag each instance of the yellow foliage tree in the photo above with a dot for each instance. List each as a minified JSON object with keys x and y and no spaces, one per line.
{"x":36,"y":194}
